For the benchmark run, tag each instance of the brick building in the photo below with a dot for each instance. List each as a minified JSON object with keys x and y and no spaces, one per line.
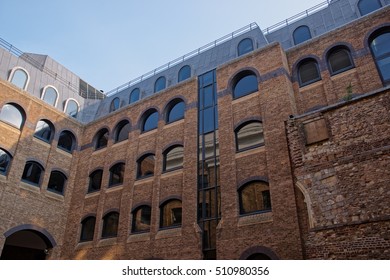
{"x":265,"y":144}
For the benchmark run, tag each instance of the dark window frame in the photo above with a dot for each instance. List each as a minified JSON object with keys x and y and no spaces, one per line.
{"x":241,"y":126}
{"x":117,"y":182}
{"x":158,"y":84}
{"x":182,"y":77}
{"x":171,"y":105}
{"x":51,"y":128}
{"x":162,"y":214}
{"x":371,"y":10}
{"x":385,"y":55}
{"x":303,"y":63}
{"x":134,"y":219}
{"x":244,"y":50}
{"x":145,"y":117}
{"x":239,"y":78}
{"x":90,"y":183}
{"x":297,"y":40}
{"x":334,"y":51}
{"x":115,"y":104}
{"x":21,"y":112}
{"x":132,"y":93}
{"x":254,"y":212}
{"x":25,"y":176}
{"x":64,"y":177}
{"x":101,"y":134}
{"x":139,"y":166}
{"x":119,"y":128}
{"x":83,"y":229}
{"x":105,"y":231}
{"x":8,"y":163}
{"x":165,"y":154}
{"x":73,"y":139}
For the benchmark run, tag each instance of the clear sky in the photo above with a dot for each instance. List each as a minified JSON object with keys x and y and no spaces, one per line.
{"x":108,"y":43}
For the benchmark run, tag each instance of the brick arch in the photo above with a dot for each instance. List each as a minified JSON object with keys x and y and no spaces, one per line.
{"x":233,"y":78}
{"x":259,"y":250}
{"x":49,"y":239}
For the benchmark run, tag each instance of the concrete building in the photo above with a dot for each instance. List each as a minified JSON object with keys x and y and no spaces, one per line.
{"x":264,"y":144}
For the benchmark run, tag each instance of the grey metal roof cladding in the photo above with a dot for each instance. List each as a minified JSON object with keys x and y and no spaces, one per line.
{"x":320,"y":19}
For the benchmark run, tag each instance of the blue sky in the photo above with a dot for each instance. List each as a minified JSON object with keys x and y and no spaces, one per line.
{"x":108,"y":43}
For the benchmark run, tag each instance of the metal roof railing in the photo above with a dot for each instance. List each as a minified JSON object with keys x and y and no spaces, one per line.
{"x":297,"y":17}
{"x":185,"y":57}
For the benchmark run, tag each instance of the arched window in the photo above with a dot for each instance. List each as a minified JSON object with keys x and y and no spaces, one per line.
{"x":145,"y":166}
{"x":174,"y":110}
{"x":301,"y":34}
{"x":5,"y":160}
{"x":95,"y":180}
{"x":71,"y":108}
{"x":245,"y":46}
{"x":141,"y":219}
{"x":32,"y":173}
{"x":245,"y":83}
{"x":67,"y":141}
{"x":308,"y":72}
{"x":173,"y":158}
{"x":380,"y":49}
{"x":170,"y":213}
{"x":160,"y":84}
{"x":149,"y":120}
{"x":50,"y":95}
{"x":13,"y":115}
{"x":184,"y":73}
{"x":57,"y":182}
{"x":249,"y":135}
{"x":339,"y":60}
{"x":122,"y":131}
{"x":87,"y":229}
{"x":44,"y":131}
{"x":116,"y":174}
{"x":115,"y":103}
{"x":368,"y":6}
{"x":134,"y":95}
{"x":254,"y":197}
{"x":19,"y":77}
{"x":110,"y":225}
{"x":101,"y":138}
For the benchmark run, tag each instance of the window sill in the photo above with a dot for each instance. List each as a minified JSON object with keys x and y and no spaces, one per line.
{"x":174,"y":123}
{"x":117,"y":144}
{"x":30,"y":187}
{"x":10,"y":127}
{"x":92,"y":194}
{"x":250,"y":151}
{"x":171,"y":172}
{"x":114,"y":188}
{"x":88,"y":244}
{"x":311,"y":85}
{"x":99,"y":150}
{"x":144,"y":180}
{"x":41,"y":142}
{"x":147,"y":133}
{"x":342,"y":74}
{"x":64,"y":152}
{"x":168,"y":232}
{"x":245,"y":97}
{"x":107,"y":241}
{"x":53,"y":195}
{"x":255,"y":218}
{"x":138,"y":236}
{"x":3,"y":178}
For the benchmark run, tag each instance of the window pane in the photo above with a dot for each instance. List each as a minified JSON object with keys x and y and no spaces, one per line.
{"x":123,"y":132}
{"x":10,"y":114}
{"x":384,"y":67}
{"x":102,"y":139}
{"x":110,"y":225}
{"x":381,"y":45}
{"x":308,"y":72}
{"x":43,"y":131}
{"x":176,"y":112}
{"x":171,"y":214}
{"x":50,"y":96}
{"x":19,"y":78}
{"x":245,"y":46}
{"x":114,"y":104}
{"x":368,"y":6}
{"x":160,"y":84}
{"x":174,"y":158}
{"x":141,"y":219}
{"x":146,"y":166}
{"x":339,"y":61}
{"x":5,"y":159}
{"x":134,"y":95}
{"x":301,"y":34}
{"x":151,"y":122}
{"x":184,"y":73}
{"x":208,"y":120}
{"x":250,"y":135}
{"x":32,"y":173}
{"x":72,"y":108}
{"x":245,"y":85}
{"x":255,"y":196}
{"x":116,"y":174}
{"x":56,"y":182}
{"x":95,"y":180}
{"x":66,"y":141}
{"x":87,"y":229}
